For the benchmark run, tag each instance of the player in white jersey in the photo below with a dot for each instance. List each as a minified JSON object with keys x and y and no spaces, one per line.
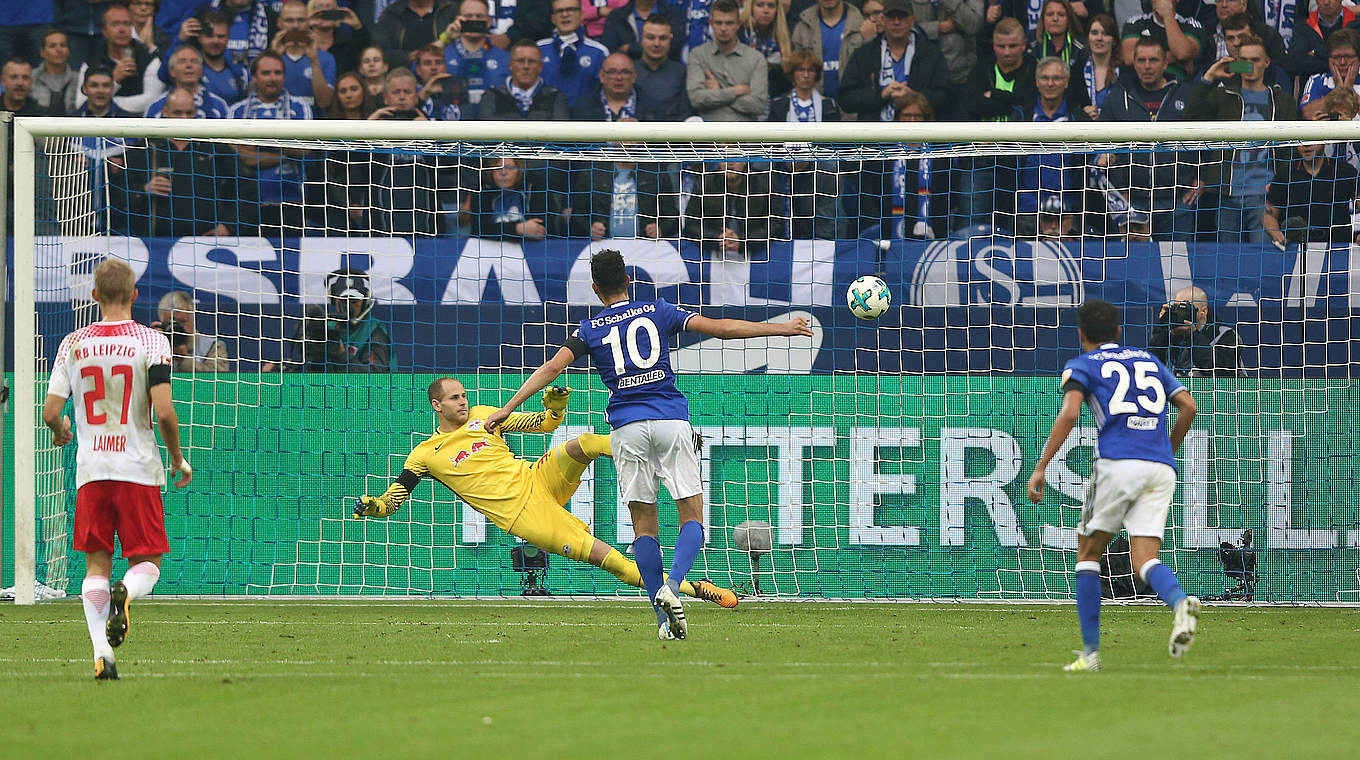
{"x":119,"y":372}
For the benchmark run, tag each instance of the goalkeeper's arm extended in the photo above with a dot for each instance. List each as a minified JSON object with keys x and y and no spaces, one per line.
{"x":391,"y":500}
{"x":545,"y":374}
{"x":554,"y":411}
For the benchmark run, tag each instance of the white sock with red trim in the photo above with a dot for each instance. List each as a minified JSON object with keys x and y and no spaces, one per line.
{"x":94,"y":595}
{"x":140,"y":579}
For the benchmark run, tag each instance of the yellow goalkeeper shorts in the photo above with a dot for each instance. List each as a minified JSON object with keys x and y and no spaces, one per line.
{"x":544,"y":521}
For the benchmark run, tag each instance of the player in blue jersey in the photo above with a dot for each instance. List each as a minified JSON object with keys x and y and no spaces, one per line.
{"x":629,"y":342}
{"x":1134,"y":474}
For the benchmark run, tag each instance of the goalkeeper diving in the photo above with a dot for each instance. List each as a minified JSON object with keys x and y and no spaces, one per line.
{"x":525,"y":499}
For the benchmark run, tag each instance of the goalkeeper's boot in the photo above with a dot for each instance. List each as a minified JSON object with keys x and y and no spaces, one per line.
{"x":663,"y":632}
{"x":669,"y":603}
{"x":119,"y":620}
{"x":711,"y":592}
{"x":1086,"y":662}
{"x":104,"y":669}
{"x":1187,"y":621}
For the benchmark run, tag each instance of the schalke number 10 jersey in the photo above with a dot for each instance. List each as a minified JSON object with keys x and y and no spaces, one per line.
{"x":629,"y":342}
{"x":1127,"y":390}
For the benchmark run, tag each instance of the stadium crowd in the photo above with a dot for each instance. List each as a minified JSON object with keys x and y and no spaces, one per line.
{"x":715,"y":60}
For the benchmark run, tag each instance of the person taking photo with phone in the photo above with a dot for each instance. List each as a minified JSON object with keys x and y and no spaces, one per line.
{"x":308,"y":71}
{"x":1234,"y":89}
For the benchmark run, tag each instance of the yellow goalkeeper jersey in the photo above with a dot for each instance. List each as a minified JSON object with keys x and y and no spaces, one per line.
{"x":476,"y":465}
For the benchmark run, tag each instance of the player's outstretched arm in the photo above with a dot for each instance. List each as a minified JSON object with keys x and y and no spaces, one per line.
{"x":1062,"y":427}
{"x":391,"y":500}
{"x":534,"y":383}
{"x":53,"y":418}
{"x":1185,"y":414}
{"x":740,"y":328}
{"x":167,"y":421}
{"x":554,"y":411}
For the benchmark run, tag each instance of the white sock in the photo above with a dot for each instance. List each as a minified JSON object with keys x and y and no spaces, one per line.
{"x":94,"y":594}
{"x":140,"y":579}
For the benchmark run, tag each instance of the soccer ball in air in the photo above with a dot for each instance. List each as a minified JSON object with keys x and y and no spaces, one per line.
{"x":868,"y":297}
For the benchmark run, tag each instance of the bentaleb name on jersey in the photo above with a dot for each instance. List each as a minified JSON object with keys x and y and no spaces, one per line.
{"x":1127,"y":390}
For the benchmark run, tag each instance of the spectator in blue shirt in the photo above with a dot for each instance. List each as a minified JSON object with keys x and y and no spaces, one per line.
{"x":469,"y":54}
{"x":571,"y":60}
{"x":309,"y":72}
{"x":830,"y":31}
{"x":186,"y":73}
{"x":279,"y":170}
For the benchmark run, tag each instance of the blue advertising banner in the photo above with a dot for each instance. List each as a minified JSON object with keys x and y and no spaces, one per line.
{"x":984,"y":304}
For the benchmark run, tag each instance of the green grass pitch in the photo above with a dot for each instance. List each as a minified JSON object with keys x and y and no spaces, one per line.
{"x":564,"y":679}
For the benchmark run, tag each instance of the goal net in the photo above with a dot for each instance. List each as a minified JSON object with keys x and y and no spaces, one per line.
{"x":315,"y":283}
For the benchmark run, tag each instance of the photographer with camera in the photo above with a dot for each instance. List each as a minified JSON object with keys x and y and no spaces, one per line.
{"x":194,"y":352}
{"x":1186,"y":338}
{"x":342,"y":337}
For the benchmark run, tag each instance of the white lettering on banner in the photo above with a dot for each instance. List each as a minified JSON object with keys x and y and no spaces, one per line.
{"x":472,"y":526}
{"x":965,"y":273}
{"x":814,"y":264}
{"x":389,"y":260}
{"x":1197,"y":533}
{"x":1176,"y":274}
{"x":1353,"y":280}
{"x":782,"y":355}
{"x":661,"y":261}
{"x":64,"y":266}
{"x":1279,"y":500}
{"x":478,"y":261}
{"x":1068,"y":483}
{"x":956,"y":488}
{"x":791,"y":444}
{"x":190,"y":265}
{"x":729,"y":280}
{"x":1306,"y":278}
{"x":866,"y":485}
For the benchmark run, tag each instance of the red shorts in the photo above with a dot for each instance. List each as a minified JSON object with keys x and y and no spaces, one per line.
{"x":133,"y":510}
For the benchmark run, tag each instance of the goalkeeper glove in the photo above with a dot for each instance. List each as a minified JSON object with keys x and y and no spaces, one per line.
{"x":555,"y":399}
{"x":372,"y":506}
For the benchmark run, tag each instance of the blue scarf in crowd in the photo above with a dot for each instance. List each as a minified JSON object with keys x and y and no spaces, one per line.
{"x":257,"y":36}
{"x":567,"y":56}
{"x":628,"y":111}
{"x":524,"y":98}
{"x":922,"y":190}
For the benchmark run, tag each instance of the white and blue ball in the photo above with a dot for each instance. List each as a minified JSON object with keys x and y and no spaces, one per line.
{"x":868,"y":297}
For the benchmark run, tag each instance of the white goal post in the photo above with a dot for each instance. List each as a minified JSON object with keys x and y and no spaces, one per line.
{"x":857,"y":502}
